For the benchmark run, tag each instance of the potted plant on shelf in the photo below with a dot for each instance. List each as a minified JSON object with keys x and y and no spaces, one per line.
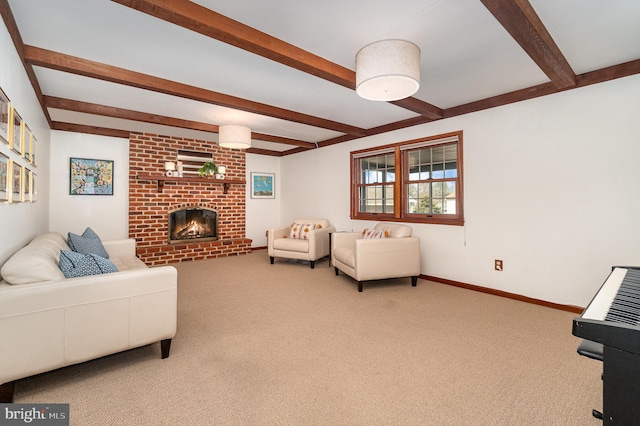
{"x":208,"y":169}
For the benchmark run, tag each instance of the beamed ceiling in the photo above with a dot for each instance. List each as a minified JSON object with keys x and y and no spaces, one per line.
{"x":286,"y":68}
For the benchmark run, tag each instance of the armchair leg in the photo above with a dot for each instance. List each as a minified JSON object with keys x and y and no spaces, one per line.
{"x":360,"y":285}
{"x":414,"y":281}
{"x":337,"y":271}
{"x":6,"y":392}
{"x":312,"y":263}
{"x":165,"y":346}
{"x":271,"y":259}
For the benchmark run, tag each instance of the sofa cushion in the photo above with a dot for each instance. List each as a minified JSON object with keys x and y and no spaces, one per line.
{"x":88,"y":242}
{"x":73,"y":264}
{"x":291,"y":244}
{"x":301,"y":230}
{"x":36,"y":262}
{"x":346,"y":256}
{"x":372,"y":233}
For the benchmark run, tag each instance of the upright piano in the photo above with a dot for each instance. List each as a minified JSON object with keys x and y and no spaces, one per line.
{"x":612,"y":319}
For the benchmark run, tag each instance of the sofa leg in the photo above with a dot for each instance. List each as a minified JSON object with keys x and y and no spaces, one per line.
{"x":360,"y":283}
{"x":312,"y":263}
{"x":271,"y":259}
{"x":414,"y":281}
{"x":6,"y":392}
{"x":337,"y":271}
{"x":165,"y":347}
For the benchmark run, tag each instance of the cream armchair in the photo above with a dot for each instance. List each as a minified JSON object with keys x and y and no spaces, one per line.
{"x":304,"y":239}
{"x":395,"y":255}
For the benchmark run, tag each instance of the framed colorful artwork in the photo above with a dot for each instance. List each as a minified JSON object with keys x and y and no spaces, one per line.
{"x":90,"y":177}
{"x":16,"y":131}
{"x":4,"y":177}
{"x":263,"y":185}
{"x":16,"y":182}
{"x":5,"y":109}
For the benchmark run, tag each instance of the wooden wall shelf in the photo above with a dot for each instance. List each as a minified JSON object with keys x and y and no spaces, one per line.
{"x":161,"y":179}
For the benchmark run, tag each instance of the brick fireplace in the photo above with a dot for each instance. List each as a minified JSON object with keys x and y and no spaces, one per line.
{"x":151,"y":201}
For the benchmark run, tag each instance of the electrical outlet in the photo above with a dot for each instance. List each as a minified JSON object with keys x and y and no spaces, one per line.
{"x":498,"y":265}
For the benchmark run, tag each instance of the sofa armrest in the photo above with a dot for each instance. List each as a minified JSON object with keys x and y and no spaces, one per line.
{"x":59,"y":323}
{"x":275,"y":233}
{"x":319,"y":242}
{"x":120,"y":248}
{"x":387,"y":257}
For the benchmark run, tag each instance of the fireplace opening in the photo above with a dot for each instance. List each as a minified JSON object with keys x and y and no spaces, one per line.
{"x":192,"y":224}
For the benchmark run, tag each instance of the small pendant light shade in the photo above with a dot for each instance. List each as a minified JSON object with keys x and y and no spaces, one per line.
{"x":388,"y":70}
{"x":232,"y":136}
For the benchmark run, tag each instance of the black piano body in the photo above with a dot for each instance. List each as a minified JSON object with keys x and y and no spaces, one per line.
{"x":612,"y":319}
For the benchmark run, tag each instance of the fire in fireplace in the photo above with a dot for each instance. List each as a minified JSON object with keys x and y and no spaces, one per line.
{"x":192,"y":224}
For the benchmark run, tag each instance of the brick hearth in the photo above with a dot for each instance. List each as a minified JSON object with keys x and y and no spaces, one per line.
{"x":148,"y":208}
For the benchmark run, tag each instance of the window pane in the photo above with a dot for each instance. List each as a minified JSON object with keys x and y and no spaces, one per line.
{"x":376,"y":199}
{"x":451,"y":169}
{"x":438,"y":171}
{"x":378,"y":169}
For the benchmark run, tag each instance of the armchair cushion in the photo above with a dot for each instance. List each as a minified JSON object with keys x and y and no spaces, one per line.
{"x":373,"y":233}
{"x":301,"y":230}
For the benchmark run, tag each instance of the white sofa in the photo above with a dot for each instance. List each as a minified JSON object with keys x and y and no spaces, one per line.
{"x":311,"y":246}
{"x":395,"y":255}
{"x":48,"y":321}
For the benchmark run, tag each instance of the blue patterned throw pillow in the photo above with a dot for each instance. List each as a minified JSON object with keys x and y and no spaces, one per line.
{"x":88,"y":242}
{"x":73,"y":264}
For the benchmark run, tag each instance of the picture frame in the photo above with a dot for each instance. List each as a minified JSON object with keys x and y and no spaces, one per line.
{"x":5,"y":112}
{"x":89,"y":176}
{"x":34,"y":187}
{"x":16,"y":182}
{"x":16,"y":131}
{"x":26,"y":186}
{"x":5,"y":174}
{"x":26,"y":143}
{"x":263,"y":185}
{"x":34,"y":151}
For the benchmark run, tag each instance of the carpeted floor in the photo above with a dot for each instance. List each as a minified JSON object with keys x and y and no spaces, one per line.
{"x":283,"y":344}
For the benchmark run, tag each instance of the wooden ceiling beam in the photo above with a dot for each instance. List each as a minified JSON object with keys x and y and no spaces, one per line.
{"x":521,"y":21}
{"x":207,"y":22}
{"x":92,"y":130}
{"x":71,"y":64}
{"x":126,"y":114}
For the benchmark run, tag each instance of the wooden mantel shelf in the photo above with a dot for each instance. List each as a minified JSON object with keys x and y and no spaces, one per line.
{"x":161,"y":179}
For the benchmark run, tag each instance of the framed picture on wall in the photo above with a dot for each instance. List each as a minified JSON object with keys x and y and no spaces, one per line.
{"x":34,"y":187}
{"x":5,"y":109}
{"x":26,"y":143}
{"x":4,"y":177}
{"x":26,"y":186}
{"x":16,"y":131}
{"x":90,"y":177}
{"x":263,"y":185}
{"x":16,"y":182}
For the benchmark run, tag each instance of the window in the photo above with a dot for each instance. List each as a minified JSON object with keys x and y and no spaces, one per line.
{"x":412,"y":181}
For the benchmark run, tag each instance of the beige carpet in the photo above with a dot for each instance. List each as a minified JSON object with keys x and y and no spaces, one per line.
{"x":283,"y":344}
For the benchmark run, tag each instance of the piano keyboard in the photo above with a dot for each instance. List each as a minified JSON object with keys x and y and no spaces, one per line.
{"x":604,"y":299}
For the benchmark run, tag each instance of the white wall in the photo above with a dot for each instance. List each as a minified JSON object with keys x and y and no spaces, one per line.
{"x":550,"y":188}
{"x":108,"y":215}
{"x":23,"y":221}
{"x":262,"y":213}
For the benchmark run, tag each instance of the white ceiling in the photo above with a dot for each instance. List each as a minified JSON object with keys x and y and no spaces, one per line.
{"x":466,"y":56}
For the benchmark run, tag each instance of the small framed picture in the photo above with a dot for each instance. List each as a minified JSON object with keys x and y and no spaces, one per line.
{"x":16,"y":182}
{"x":4,"y":177}
{"x":34,"y":187}
{"x":26,"y":186}
{"x":90,"y":177}
{"x":5,"y":109}
{"x":263,"y":185}
{"x":34,"y":151}
{"x":26,"y":144}
{"x":17,"y":135}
